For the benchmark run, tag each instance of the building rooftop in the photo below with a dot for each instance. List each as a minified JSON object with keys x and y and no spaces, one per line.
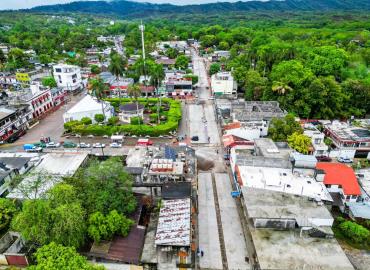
{"x":268,"y":148}
{"x":340,"y":174}
{"x":223,"y":76}
{"x":359,"y":210}
{"x":131,"y":107}
{"x":179,"y":190}
{"x":166,"y":166}
{"x":88,"y":103}
{"x":363,"y":177}
{"x":283,"y":180}
{"x":347,"y":132}
{"x":14,"y":162}
{"x":262,"y":203}
{"x":282,"y":250}
{"x":174,"y":223}
{"x":256,"y":110}
{"x":5,"y":112}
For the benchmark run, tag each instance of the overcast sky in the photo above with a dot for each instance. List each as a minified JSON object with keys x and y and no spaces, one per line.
{"x":17,"y":4}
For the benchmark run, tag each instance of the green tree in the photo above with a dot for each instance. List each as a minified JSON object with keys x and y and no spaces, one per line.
{"x":55,"y":256}
{"x":172,"y":53}
{"x":134,"y":92}
{"x":255,"y":85}
{"x":49,"y":82}
{"x":194,"y":78}
{"x":105,"y":227}
{"x":117,"y":68}
{"x":280,"y":129}
{"x":7,"y":211}
{"x":182,"y":62}
{"x":106,"y":186}
{"x":98,"y":89}
{"x":299,"y":142}
{"x":59,"y":218}
{"x":95,"y":69}
{"x":113,"y":120}
{"x":99,"y":118}
{"x":2,"y":57}
{"x":291,"y":73}
{"x":214,"y":68}
{"x":45,"y":59}
{"x":327,"y":60}
{"x":355,"y":232}
{"x":358,"y":96}
{"x":157,"y":75}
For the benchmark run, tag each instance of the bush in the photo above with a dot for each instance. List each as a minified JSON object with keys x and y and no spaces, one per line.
{"x":355,"y":232}
{"x":113,"y":120}
{"x":86,"y":121}
{"x":99,"y":118}
{"x":153,"y":117}
{"x":70,"y":125}
{"x":136,"y":120}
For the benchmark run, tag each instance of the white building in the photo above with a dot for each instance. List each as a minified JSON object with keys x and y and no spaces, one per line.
{"x":68,"y":77}
{"x":223,"y":83}
{"x":88,"y":107}
{"x":317,"y":140}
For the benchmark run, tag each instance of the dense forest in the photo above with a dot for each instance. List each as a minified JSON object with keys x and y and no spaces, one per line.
{"x":315,"y":64}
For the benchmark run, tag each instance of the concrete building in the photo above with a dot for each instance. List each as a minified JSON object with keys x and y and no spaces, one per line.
{"x":319,"y":148}
{"x":223,"y":84}
{"x":88,"y":107}
{"x":55,"y":165}
{"x":291,"y":232}
{"x":218,"y":55}
{"x":13,"y":250}
{"x":348,"y":137}
{"x":68,"y":77}
{"x":340,"y":180}
{"x":14,"y":120}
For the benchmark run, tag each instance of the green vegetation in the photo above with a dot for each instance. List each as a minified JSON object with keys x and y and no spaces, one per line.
{"x":99,"y":118}
{"x":54,"y":256}
{"x":49,"y":82}
{"x":353,"y":233}
{"x":105,"y":227}
{"x":169,"y":120}
{"x":299,"y":142}
{"x":281,"y":129}
{"x":7,"y":211}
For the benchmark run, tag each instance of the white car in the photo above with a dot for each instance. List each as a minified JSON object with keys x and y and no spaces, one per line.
{"x":98,"y":145}
{"x":52,"y":145}
{"x":84,"y":145}
{"x":90,"y":136}
{"x":116,"y":145}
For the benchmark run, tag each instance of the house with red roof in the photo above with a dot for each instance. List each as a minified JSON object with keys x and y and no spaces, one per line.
{"x":339,"y":179}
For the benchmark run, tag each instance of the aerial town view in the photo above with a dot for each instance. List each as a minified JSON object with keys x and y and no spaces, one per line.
{"x":173,"y":134}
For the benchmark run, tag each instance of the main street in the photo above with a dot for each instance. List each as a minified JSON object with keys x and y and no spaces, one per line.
{"x":220,"y":230}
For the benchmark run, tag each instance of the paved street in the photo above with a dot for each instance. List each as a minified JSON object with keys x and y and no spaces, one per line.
{"x":236,"y":250}
{"x":208,"y":232}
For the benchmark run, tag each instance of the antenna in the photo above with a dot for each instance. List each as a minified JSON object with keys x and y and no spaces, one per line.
{"x":142,"y":28}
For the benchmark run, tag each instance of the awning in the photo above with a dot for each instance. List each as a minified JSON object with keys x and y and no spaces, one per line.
{"x":228,"y":140}
{"x":174,"y":93}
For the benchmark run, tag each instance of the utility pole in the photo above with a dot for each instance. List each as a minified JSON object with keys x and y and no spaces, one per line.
{"x":142,"y":28}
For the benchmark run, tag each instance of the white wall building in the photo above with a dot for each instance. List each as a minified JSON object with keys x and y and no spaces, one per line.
{"x":68,"y":77}
{"x":88,"y":107}
{"x":317,"y":140}
{"x":223,"y":83}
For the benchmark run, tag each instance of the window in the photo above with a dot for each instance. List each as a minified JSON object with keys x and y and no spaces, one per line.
{"x":328,"y":186}
{"x":58,"y":70}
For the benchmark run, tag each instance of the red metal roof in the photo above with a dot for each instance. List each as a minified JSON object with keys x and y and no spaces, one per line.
{"x":340,"y":174}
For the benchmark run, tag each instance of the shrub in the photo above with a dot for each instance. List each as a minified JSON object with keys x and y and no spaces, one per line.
{"x":153,"y":117}
{"x":113,"y":120}
{"x":99,"y":118}
{"x":86,"y":121}
{"x":136,"y":120}
{"x":354,"y":231}
{"x":70,"y":125}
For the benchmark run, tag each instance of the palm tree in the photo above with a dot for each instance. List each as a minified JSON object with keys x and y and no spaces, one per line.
{"x":156,"y":76}
{"x":117,"y":67}
{"x":98,"y":89}
{"x":134,"y":91}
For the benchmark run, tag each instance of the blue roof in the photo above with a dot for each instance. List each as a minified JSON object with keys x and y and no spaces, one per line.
{"x":169,"y":153}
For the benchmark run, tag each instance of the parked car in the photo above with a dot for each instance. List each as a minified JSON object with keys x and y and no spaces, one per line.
{"x":195,"y":138}
{"x":40,"y":144}
{"x":345,"y":160}
{"x":324,"y":158}
{"x":69,"y":145}
{"x":116,"y":145}
{"x":52,"y":145}
{"x":90,"y":136}
{"x":144,"y":142}
{"x":98,"y":145}
{"x":84,"y":145}
{"x":31,"y":148}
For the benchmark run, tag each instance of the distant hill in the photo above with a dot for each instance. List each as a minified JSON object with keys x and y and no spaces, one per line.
{"x":130,"y":9}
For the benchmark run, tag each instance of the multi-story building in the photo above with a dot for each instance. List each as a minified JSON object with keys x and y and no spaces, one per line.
{"x":59,"y":96}
{"x":68,"y":77}
{"x":223,"y":83}
{"x":317,"y":140}
{"x":348,"y":137}
{"x":14,"y":120}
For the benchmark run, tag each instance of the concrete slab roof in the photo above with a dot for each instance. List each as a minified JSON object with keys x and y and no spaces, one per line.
{"x":281,"y":250}
{"x":263,"y":203}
